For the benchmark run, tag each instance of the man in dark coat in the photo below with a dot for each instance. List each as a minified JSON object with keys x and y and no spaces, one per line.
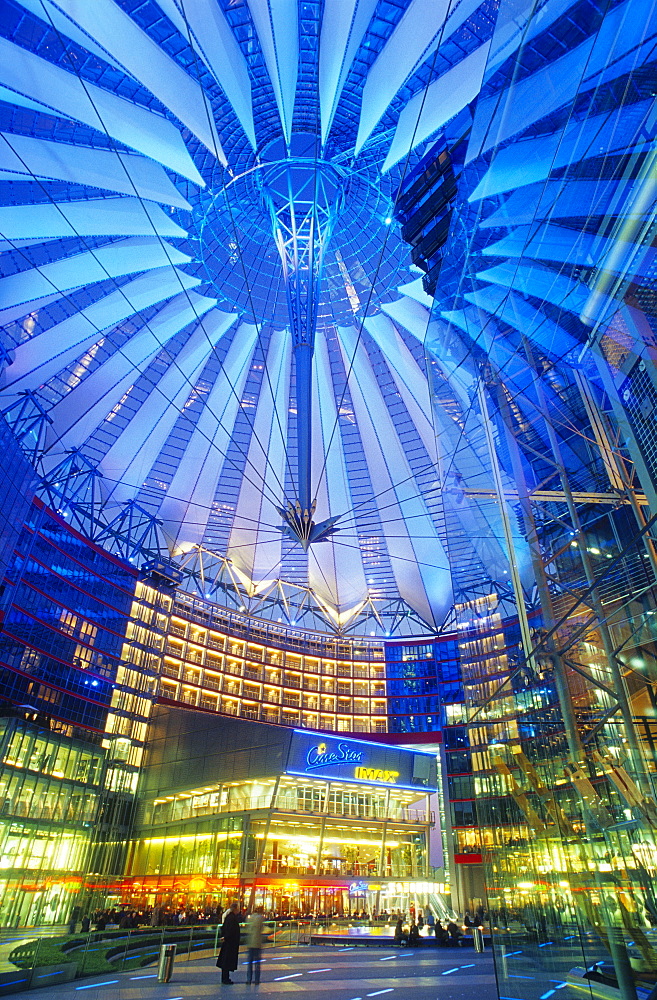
{"x":230,"y":946}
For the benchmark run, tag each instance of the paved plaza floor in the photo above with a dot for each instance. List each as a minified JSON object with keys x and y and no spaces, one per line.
{"x":341,"y":973}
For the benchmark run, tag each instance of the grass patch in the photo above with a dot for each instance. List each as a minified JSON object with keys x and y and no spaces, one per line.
{"x":104,"y":951}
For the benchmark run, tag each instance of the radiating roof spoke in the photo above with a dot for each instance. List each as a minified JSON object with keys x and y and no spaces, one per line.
{"x":211,"y":313}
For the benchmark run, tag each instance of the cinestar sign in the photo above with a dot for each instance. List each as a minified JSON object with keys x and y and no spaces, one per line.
{"x":322,"y":756}
{"x":336,"y":757}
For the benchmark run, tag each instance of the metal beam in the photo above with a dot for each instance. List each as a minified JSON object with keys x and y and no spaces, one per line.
{"x":558,"y":496}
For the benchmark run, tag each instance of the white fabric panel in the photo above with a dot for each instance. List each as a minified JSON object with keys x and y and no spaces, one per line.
{"x":413,"y":388}
{"x":532,"y":160}
{"x":143,"y":59}
{"x":140,"y":253}
{"x":17,"y":312}
{"x":24,"y":156}
{"x":86,"y":406}
{"x":64,"y":94}
{"x":96,"y":217}
{"x":344,"y":22}
{"x":277,"y":24}
{"x":414,"y":318}
{"x":255,"y":543}
{"x":15,"y":244}
{"x":186,"y":507}
{"x":213,"y":38}
{"x":514,"y":310}
{"x":63,"y":25}
{"x":415,"y":290}
{"x":559,"y":199}
{"x":409,"y":378}
{"x":130,"y":459}
{"x":425,"y":25}
{"x":410,"y":314}
{"x":599,"y":58}
{"x":565,"y":246}
{"x":428,"y":110}
{"x":416,"y":554}
{"x":43,"y":356}
{"x":335,"y":567}
{"x":532,"y":279}
{"x":11,"y":97}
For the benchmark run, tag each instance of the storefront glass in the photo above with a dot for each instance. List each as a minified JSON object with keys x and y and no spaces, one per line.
{"x":50,"y":788}
{"x":354,"y":827}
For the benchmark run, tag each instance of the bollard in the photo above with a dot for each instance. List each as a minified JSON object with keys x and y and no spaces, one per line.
{"x":165,"y":965}
{"x":478,"y":938}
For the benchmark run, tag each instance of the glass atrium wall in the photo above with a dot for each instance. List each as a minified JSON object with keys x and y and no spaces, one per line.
{"x":542,"y":347}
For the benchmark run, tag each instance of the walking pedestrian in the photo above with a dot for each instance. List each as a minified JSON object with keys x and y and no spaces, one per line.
{"x":230,"y":945}
{"x":253,"y":933}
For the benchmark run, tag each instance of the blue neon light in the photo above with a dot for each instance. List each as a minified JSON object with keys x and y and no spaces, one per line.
{"x":321,"y":756}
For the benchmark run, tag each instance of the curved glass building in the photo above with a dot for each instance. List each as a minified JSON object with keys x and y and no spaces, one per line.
{"x":329,"y":397}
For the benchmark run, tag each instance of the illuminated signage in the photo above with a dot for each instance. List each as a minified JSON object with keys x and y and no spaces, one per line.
{"x":361,"y":888}
{"x":340,"y":758}
{"x":322,"y":756}
{"x":376,"y":774}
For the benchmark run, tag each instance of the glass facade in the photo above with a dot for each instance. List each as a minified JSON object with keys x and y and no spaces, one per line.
{"x":89,"y":647}
{"x":65,"y":623}
{"x":17,"y":486}
{"x":75,"y":665}
{"x":51,"y":787}
{"x":360,"y":813}
{"x":425,"y":693}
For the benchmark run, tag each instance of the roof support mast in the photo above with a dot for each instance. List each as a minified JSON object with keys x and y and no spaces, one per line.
{"x":304,"y":197}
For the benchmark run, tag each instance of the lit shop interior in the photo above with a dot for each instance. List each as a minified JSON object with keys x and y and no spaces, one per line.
{"x":50,"y":791}
{"x":322,"y":825}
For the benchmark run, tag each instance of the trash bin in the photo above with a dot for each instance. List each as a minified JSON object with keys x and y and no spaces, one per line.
{"x":165,"y":965}
{"x":478,"y":938}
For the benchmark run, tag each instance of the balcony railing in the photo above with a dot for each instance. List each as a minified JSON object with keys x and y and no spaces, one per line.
{"x":336,"y":869}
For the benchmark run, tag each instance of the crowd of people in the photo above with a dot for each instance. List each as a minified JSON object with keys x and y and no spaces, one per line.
{"x":151,"y":916}
{"x":450,"y":933}
{"x":250,"y":931}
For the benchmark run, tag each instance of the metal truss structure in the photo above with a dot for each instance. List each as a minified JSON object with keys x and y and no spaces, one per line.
{"x":304,"y":197}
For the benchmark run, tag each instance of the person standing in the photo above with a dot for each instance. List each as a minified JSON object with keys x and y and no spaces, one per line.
{"x":253,"y":931}
{"x":230,"y":945}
